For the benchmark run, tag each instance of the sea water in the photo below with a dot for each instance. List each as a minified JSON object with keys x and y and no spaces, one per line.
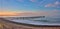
{"x":37,"y":21}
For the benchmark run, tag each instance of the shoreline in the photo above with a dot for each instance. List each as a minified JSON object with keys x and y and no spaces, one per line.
{"x":30,"y":24}
{"x":9,"y":25}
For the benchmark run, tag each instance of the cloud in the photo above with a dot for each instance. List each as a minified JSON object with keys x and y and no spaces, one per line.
{"x":56,"y":5}
{"x":48,"y":5}
{"x":40,"y":3}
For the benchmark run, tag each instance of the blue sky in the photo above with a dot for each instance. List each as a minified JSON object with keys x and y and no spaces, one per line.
{"x":30,"y":5}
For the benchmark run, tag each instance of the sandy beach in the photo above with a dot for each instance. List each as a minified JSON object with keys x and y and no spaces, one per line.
{"x":7,"y":25}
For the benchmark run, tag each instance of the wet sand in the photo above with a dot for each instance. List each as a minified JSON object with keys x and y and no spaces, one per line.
{"x":8,"y":25}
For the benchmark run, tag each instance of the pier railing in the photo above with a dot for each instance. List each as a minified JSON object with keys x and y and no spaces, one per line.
{"x":35,"y":17}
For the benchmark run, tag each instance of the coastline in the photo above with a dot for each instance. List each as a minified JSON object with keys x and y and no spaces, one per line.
{"x":9,"y":25}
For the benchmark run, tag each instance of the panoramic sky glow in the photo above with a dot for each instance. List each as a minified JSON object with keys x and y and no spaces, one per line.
{"x":29,"y":7}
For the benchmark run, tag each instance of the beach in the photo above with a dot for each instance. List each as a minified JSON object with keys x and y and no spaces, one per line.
{"x":8,"y":25}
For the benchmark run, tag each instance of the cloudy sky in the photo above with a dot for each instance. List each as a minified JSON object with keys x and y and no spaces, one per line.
{"x":30,"y":7}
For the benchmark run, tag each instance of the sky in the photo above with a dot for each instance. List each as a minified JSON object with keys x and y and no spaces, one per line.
{"x":30,"y":7}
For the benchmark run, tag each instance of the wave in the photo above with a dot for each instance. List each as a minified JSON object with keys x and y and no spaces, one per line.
{"x":37,"y":21}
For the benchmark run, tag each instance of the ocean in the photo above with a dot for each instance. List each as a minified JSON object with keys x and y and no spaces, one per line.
{"x":36,"y":21}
